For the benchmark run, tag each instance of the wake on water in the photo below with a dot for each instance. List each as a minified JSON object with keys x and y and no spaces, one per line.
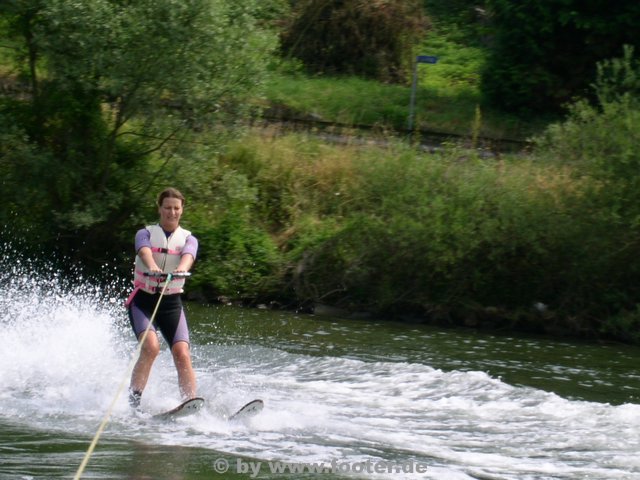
{"x":66,"y":350}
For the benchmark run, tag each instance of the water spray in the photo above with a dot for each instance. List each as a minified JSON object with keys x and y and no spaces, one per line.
{"x":134,"y":358}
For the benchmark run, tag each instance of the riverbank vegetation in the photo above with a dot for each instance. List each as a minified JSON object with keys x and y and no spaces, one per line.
{"x":543,"y":240}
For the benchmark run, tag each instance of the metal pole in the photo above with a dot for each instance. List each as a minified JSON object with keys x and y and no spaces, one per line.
{"x":412,"y":103}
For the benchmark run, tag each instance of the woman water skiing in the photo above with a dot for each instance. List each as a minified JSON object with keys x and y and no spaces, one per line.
{"x":161,"y":249}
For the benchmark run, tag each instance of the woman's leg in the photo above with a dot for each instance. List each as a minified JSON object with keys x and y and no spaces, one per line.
{"x":142,"y":368}
{"x":186,"y":376}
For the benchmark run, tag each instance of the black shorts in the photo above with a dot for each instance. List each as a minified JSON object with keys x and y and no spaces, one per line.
{"x":170,"y":317}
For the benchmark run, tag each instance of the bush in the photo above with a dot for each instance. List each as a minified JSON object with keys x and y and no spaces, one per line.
{"x":390,"y":228}
{"x":373,"y":39}
{"x":600,"y":143}
{"x":22,"y":166}
{"x":430,"y":231}
{"x":237,"y":258}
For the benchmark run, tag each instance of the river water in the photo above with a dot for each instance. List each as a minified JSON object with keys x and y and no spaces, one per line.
{"x":343,"y":398}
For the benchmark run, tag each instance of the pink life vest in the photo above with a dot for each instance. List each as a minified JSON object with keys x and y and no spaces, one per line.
{"x":166,"y":253}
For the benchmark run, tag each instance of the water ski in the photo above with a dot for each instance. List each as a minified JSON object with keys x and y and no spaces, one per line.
{"x":195,"y":404}
{"x":249,"y":410}
{"x":189,"y":407}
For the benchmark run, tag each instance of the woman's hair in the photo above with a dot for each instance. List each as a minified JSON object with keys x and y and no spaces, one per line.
{"x":170,"y":193}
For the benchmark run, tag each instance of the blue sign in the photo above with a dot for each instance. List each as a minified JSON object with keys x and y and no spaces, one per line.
{"x":426,"y":59}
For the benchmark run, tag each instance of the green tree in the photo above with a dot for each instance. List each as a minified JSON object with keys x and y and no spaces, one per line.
{"x":112,"y":90}
{"x":544,"y":53}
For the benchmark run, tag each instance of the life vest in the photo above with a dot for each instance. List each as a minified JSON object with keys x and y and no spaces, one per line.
{"x":166,"y":253}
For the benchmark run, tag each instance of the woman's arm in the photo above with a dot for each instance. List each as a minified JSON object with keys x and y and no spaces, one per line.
{"x":188,"y":254}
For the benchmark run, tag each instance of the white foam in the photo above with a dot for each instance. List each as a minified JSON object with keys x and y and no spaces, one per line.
{"x":67,"y":350}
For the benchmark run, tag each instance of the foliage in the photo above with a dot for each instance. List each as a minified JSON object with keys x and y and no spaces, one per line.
{"x":432,"y":233}
{"x":385,"y":229}
{"x":113,"y":89}
{"x":543,"y":54}
{"x":463,"y":20}
{"x":393,"y":231}
{"x":600,"y":142}
{"x":618,"y":79}
{"x":372,"y":39}
{"x":452,"y":11}
{"x":24,"y":201}
{"x":296,"y":177}
{"x":237,"y":257}
{"x":623,"y":325}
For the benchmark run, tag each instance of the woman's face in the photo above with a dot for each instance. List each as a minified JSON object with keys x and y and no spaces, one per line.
{"x":170,"y":213}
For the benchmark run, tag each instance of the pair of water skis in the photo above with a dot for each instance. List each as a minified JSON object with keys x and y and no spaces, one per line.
{"x":195,"y":404}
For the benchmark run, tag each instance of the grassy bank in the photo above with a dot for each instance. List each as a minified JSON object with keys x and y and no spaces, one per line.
{"x":448,"y":97}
